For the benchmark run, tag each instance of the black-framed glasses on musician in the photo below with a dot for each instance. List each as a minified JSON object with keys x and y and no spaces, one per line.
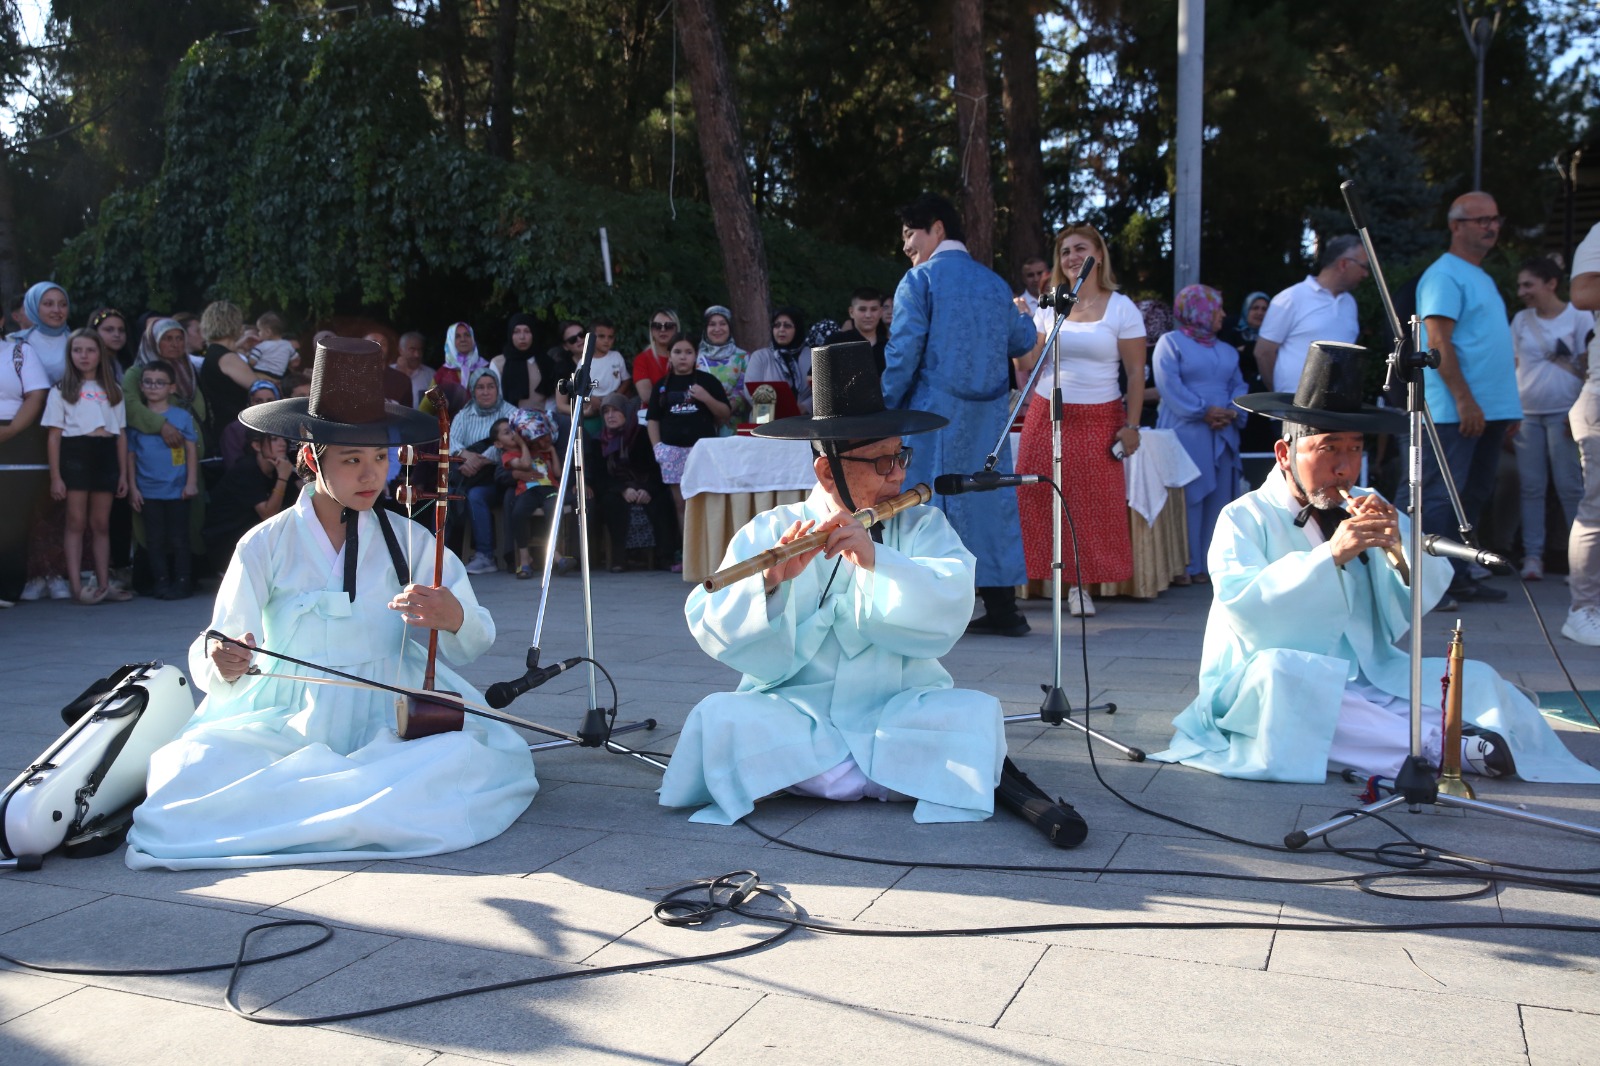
{"x":884,"y":464}
{"x":1485,"y":220}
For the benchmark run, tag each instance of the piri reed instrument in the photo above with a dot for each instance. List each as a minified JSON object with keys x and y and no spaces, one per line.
{"x":1396,"y":558}
{"x":867,"y":516}
{"x":1450,"y":780}
{"x":418,"y":716}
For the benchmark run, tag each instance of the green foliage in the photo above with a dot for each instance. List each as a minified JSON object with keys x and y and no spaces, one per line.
{"x":308,"y":175}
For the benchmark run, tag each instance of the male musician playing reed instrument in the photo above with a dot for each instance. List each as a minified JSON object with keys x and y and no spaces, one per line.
{"x":1300,"y":673}
{"x":843,"y":697}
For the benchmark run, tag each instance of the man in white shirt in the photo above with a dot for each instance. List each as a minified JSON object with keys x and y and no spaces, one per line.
{"x":1583,"y":543}
{"x":1319,"y":308}
{"x":1035,"y":272}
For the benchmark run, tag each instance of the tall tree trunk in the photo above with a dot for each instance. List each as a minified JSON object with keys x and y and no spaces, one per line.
{"x":972,"y":118}
{"x":453,"y":73}
{"x":10,"y":261}
{"x":1019,"y":64}
{"x":502,"y":77}
{"x":744,"y":259}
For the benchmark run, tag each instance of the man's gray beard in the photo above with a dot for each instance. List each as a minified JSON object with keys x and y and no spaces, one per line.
{"x":1323,"y":500}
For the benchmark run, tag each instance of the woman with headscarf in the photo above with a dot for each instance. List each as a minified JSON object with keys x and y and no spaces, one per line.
{"x":625,"y":476}
{"x":462,"y":363}
{"x":1259,"y":432}
{"x":470,"y":438}
{"x":787,"y":358}
{"x":517,"y":364}
{"x":724,"y":360}
{"x":47,"y":307}
{"x":1199,"y":380}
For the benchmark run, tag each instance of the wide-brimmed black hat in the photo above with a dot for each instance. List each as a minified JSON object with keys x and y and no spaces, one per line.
{"x":1328,"y":397}
{"x":847,"y":401}
{"x":346,"y":406}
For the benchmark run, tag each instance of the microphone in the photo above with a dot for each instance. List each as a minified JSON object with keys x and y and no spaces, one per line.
{"x":983,"y":481}
{"x":1063,"y":301}
{"x":1434,"y":544}
{"x":502,"y":693}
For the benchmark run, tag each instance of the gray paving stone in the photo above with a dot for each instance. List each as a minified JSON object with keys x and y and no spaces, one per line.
{"x":946,"y":899}
{"x":519,"y":850}
{"x":960,"y":980}
{"x":782,"y":1030}
{"x":1256,"y":1017}
{"x":120,"y":933}
{"x":624,"y":1018}
{"x":248,"y":890}
{"x":547,"y":918}
{"x":1560,"y":1038}
{"x":22,"y":992}
{"x":112,"y":1028}
{"x":584,"y":805}
{"x":638,"y":865}
{"x":25,"y":902}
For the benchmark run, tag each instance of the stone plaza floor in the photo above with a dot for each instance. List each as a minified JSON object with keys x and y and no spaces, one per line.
{"x":571,"y":886}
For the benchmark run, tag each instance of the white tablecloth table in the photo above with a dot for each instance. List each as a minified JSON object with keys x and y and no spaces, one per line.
{"x":729,"y":480}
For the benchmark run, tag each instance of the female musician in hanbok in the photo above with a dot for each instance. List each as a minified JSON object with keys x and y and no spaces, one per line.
{"x":275,"y":770}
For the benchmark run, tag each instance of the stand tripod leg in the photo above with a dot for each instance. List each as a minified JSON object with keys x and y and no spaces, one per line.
{"x":1545,"y":820}
{"x":1301,"y":837}
{"x":1055,"y":710}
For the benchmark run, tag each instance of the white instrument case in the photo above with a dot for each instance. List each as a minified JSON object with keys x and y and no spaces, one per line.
{"x":83,"y":788}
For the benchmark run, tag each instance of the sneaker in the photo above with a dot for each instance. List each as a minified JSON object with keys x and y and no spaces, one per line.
{"x":33,"y":590}
{"x":1079,"y":605}
{"x":1583,"y":626}
{"x":88,"y":580}
{"x":1475,"y":592}
{"x":482,"y":563}
{"x":59,"y":589}
{"x":1533,"y":568}
{"x":1487,"y":753}
{"x":1015,"y":626}
{"x":4,"y":604}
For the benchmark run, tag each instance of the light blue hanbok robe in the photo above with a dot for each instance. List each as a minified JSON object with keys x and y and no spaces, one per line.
{"x":954,"y":334}
{"x":857,"y":676}
{"x":1288,"y":630}
{"x":274,"y":772}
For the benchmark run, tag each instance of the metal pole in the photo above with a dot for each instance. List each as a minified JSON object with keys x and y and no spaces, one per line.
{"x":1186,"y":195}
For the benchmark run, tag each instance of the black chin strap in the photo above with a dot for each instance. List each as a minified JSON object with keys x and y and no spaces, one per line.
{"x":352,"y":546}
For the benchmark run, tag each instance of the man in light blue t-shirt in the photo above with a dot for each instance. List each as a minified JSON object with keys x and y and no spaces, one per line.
{"x":1473,"y":394}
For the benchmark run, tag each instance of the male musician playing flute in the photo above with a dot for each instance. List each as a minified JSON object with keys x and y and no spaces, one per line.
{"x":843,"y":697}
{"x":1300,"y":673}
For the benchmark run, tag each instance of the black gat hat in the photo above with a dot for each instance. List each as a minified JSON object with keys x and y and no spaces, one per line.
{"x":346,"y":406}
{"x":1328,"y":397}
{"x":847,"y":402}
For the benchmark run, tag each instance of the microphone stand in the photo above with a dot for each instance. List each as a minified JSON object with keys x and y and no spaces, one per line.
{"x":593,"y":732}
{"x":1056,"y":709}
{"x":1416,"y":783}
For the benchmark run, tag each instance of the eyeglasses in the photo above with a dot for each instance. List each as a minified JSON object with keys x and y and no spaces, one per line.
{"x":661,"y":325}
{"x":574,"y":339}
{"x":884,"y":464}
{"x":146,"y":383}
{"x":1485,"y":220}
{"x":1364,"y":266}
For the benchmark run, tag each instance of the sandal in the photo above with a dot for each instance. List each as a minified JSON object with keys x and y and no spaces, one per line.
{"x":524,"y":573}
{"x":89,"y":597}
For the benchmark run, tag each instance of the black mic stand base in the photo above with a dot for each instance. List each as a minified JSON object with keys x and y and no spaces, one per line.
{"x":1415,"y":787}
{"x":586,"y":738}
{"x":1056,"y":710}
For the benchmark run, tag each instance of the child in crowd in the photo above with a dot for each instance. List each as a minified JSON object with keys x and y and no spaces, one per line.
{"x":529,"y":466}
{"x":164,"y":480}
{"x":688,"y":406}
{"x":88,"y":458}
{"x":271,"y":354}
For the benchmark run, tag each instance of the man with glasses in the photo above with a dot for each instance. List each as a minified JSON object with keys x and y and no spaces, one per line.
{"x":843,"y":697}
{"x":1473,"y":394}
{"x":1320,"y":308}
